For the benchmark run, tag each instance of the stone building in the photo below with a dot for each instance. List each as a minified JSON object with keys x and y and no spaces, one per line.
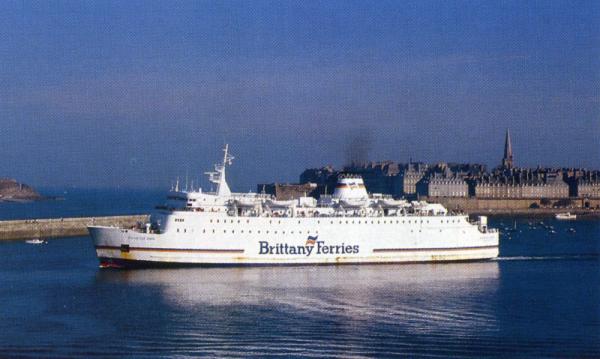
{"x":588,"y":185}
{"x":443,"y":186}
{"x":379,"y":177}
{"x":324,"y":177}
{"x":287,"y":191}
{"x":521,"y":183}
{"x":405,"y":183}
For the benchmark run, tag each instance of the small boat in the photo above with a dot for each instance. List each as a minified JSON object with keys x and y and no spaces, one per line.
{"x":571,"y":230}
{"x":566,"y":216}
{"x":36,"y":241}
{"x":552,"y":231}
{"x":514,"y":227}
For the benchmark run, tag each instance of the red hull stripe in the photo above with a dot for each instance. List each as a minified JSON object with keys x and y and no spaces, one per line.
{"x":430,"y":249}
{"x":148,"y":249}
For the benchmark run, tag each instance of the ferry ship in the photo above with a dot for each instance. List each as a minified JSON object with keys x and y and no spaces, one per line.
{"x":350,"y":226}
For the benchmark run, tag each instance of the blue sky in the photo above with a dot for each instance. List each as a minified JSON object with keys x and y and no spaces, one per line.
{"x":104,"y":94}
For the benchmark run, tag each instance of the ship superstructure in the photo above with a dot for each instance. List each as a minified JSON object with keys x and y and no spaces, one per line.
{"x":225,"y":228}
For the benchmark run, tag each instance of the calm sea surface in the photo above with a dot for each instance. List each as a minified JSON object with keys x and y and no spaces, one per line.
{"x":541,"y":298}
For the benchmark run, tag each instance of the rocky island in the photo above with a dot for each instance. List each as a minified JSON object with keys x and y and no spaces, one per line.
{"x":13,"y":191}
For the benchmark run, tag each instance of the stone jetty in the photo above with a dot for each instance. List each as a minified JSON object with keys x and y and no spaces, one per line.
{"x":62,"y":227}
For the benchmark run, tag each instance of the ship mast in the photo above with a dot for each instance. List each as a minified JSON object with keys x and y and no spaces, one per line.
{"x":218,"y":176}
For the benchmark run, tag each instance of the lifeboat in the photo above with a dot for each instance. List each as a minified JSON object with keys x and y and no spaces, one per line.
{"x":246,"y":202}
{"x":392,"y":203}
{"x":280,"y":204}
{"x":354,"y":202}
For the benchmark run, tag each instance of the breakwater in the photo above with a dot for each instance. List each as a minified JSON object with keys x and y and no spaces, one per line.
{"x":61,"y":227}
{"x":517,"y":206}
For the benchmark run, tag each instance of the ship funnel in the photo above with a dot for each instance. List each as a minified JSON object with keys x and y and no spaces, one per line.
{"x":350,"y":187}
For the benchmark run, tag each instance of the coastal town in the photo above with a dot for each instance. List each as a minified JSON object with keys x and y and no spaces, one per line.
{"x":461,"y":186}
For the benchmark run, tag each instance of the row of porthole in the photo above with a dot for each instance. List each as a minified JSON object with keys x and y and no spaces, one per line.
{"x":352,"y":222}
{"x":267,"y":232}
{"x":274,"y":232}
{"x":250,"y":231}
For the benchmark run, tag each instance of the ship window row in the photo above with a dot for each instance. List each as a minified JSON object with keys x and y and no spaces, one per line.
{"x":340,"y":222}
{"x":259,"y":231}
{"x":416,"y":221}
{"x":372,"y":222}
{"x":184,"y":230}
{"x":347,"y":222}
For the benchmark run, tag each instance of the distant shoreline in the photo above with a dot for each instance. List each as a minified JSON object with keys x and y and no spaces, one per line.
{"x":538,"y":213}
{"x":13,"y":191}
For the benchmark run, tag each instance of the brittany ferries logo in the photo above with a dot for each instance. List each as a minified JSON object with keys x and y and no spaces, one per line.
{"x":312,"y":245}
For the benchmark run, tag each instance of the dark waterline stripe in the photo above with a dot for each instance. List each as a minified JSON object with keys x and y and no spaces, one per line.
{"x":430,"y":249}
{"x":149,"y":249}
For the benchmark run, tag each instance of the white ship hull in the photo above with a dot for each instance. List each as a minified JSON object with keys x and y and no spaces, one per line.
{"x":205,"y":239}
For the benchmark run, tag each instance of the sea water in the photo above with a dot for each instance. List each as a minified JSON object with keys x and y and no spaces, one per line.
{"x":541,"y":298}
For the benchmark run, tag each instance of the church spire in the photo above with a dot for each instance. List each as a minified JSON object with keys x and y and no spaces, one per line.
{"x":507,"y":160}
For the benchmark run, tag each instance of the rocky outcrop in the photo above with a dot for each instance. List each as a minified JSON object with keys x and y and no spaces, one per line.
{"x":11,"y":190}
